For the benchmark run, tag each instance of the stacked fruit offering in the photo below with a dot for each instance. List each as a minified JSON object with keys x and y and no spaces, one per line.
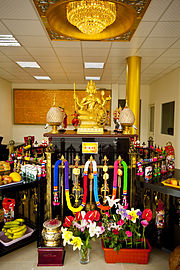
{"x":14,"y":229}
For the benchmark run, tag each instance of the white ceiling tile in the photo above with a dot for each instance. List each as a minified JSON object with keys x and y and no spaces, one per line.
{"x":25,"y":27}
{"x":166,"y":29}
{"x":165,"y":59}
{"x":72,"y":68}
{"x":172,"y":53}
{"x":68,"y":52}
{"x":34,"y":41}
{"x":116,"y":52}
{"x":156,"y":9}
{"x":66,"y":44}
{"x":148,"y":59}
{"x":4,"y":30}
{"x":4,"y":58}
{"x":96,"y":44}
{"x":172,"y":13}
{"x":69,"y":60}
{"x":134,"y":43}
{"x":36,"y":71}
{"x":93,"y":72}
{"x":47,"y":59}
{"x":95,"y":52}
{"x":17,"y":9}
{"x":18,"y":51}
{"x":144,"y":28}
{"x":21,"y":58}
{"x":95,"y":58}
{"x":116,"y":60}
{"x":176,"y":45}
{"x":41,"y":51}
{"x":157,"y":42}
{"x":150,"y":52}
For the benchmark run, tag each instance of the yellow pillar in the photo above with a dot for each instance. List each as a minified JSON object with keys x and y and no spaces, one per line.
{"x":133,"y":87}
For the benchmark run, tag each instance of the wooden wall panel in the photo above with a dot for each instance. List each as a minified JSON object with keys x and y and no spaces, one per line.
{"x":31,"y":106}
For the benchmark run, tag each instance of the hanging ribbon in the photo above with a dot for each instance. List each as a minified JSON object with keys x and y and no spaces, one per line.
{"x":99,"y":205}
{"x":78,"y":209}
{"x":55,"y":191}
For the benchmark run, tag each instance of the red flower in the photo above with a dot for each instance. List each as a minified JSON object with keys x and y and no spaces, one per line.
{"x":115,"y":231}
{"x":89,"y":215}
{"x":78,"y":216}
{"x":147,"y":214}
{"x":68,"y":221}
{"x":99,"y":224}
{"x":97,"y":215}
{"x":120,"y":222}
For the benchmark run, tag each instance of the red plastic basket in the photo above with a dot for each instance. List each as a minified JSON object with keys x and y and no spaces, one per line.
{"x":127,"y":255}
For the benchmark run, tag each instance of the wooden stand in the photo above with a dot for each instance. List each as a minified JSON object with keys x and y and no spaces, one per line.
{"x":51,"y":256}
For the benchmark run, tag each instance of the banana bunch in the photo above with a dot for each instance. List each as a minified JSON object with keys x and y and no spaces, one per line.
{"x":14,"y":229}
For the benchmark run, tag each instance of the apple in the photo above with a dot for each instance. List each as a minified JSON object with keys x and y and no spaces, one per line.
{"x":173,"y":182}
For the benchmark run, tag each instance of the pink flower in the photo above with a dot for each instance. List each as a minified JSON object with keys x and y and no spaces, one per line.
{"x":125,"y":206}
{"x":144,"y":223}
{"x":102,"y":230}
{"x":128,"y":233}
{"x":107,"y":214}
{"x":129,"y":217}
{"x":120,"y":222}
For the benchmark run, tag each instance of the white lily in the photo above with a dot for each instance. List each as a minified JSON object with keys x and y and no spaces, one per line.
{"x":93,"y":229}
{"x":111,"y":201}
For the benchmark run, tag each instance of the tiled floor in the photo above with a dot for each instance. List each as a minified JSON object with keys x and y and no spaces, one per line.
{"x":26,"y":259}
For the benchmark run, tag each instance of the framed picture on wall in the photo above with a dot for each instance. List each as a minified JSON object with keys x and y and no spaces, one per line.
{"x":167,"y":118}
{"x":151,"y":118}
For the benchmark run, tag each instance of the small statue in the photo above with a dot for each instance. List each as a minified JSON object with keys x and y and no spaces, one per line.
{"x":91,"y":110}
{"x":75,"y":120}
{"x":116,"y":114}
{"x":64,"y":123}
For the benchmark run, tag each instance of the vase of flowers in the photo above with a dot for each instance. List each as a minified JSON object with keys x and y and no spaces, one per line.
{"x":123,"y":239}
{"x":79,"y":230}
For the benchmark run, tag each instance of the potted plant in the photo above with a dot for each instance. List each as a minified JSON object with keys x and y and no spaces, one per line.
{"x":80,"y":230}
{"x":123,"y":239}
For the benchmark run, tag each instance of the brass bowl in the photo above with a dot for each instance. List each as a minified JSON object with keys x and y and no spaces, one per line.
{"x":51,"y":233}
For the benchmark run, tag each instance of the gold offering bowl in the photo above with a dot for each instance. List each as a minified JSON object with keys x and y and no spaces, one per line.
{"x":51,"y":234}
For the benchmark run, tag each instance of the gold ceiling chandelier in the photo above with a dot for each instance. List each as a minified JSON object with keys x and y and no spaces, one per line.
{"x":113,"y":20}
{"x":91,"y":16}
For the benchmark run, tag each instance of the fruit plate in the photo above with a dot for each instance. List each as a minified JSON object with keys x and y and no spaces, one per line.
{"x":12,"y":184}
{"x":167,"y":183}
{"x":7,"y":242}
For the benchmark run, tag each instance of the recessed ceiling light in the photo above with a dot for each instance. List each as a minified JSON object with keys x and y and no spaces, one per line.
{"x":8,"y":40}
{"x":93,"y":78}
{"x":93,"y":65}
{"x":42,"y":77}
{"x":28,"y":64}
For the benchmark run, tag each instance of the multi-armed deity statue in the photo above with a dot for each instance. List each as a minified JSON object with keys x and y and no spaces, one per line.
{"x":91,"y":110}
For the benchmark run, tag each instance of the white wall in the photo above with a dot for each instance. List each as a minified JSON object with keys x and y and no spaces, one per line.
{"x":5,"y":110}
{"x":167,"y":89}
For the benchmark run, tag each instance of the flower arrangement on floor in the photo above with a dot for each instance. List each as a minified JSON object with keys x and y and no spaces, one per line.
{"x":125,"y":228}
{"x":80,"y":230}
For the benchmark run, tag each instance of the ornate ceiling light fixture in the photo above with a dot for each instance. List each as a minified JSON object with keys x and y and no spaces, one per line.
{"x":91,"y":16}
{"x":91,"y":19}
